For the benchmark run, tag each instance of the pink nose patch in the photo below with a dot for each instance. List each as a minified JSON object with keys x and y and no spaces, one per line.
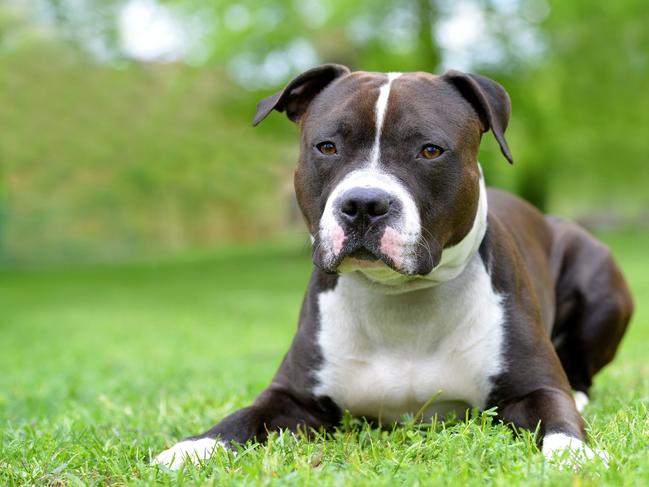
{"x":338,"y":238}
{"x":391,"y":244}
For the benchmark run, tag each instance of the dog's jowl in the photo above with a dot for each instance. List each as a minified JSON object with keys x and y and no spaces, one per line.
{"x":430,"y":293}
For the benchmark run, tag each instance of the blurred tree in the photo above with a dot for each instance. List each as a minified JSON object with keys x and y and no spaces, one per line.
{"x":599,"y":119}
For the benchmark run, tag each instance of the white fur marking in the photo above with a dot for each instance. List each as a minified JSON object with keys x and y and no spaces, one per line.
{"x":195,"y":451}
{"x":581,"y":400}
{"x":380,"y":109}
{"x":370,"y":177}
{"x":569,"y":452}
{"x":388,"y":355}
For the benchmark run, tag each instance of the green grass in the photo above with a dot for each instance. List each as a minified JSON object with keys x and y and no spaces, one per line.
{"x":101,"y":368}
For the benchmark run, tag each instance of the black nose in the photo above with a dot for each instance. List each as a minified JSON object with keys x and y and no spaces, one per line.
{"x":364,"y":206}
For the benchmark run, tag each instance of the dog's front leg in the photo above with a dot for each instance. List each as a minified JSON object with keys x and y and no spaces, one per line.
{"x":554,"y":412}
{"x":275,"y":409}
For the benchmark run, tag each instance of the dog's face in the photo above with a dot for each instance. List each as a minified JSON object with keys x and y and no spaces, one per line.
{"x":388,"y":172}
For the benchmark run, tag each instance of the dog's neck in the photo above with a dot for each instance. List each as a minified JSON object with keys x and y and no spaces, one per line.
{"x":454,"y":259}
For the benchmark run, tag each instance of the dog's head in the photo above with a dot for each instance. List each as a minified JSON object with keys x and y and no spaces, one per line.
{"x":388,"y":172}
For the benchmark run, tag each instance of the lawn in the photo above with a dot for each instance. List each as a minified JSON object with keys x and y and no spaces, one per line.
{"x":101,"y":368}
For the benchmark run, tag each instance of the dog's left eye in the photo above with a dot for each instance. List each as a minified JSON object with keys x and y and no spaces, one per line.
{"x":327,"y":148}
{"x":431,"y":151}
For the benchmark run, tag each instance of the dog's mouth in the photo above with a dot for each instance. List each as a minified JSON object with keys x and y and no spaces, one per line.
{"x":363,"y":257}
{"x":383,"y":250}
{"x":363,"y":253}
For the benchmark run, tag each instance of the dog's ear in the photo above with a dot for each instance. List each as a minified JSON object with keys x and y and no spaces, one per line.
{"x":489,"y":99}
{"x":296,"y":96}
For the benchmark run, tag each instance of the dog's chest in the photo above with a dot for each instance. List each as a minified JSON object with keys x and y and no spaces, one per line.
{"x":389,"y":355}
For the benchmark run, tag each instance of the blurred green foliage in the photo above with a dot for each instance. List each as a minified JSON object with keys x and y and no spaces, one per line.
{"x":105,"y":157}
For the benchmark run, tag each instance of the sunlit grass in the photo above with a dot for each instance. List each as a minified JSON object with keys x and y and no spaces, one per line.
{"x":102,"y":368}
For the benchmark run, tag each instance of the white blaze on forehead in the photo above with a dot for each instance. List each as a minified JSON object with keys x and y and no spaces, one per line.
{"x":371,"y":177}
{"x":379,"y":110}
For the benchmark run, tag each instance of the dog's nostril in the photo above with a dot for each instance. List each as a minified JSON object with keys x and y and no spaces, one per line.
{"x":362,"y":206}
{"x":378,"y":207}
{"x":349,"y":207}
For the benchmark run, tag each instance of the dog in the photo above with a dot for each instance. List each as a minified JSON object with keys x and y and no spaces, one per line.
{"x":429,"y":293}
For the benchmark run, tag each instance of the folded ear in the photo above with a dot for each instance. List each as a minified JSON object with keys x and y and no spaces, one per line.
{"x":489,"y":99}
{"x":296,"y":96}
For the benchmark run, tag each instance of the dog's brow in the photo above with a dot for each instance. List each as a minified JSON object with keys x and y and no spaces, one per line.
{"x":426,"y":134}
{"x":344,"y":127}
{"x":340,"y":127}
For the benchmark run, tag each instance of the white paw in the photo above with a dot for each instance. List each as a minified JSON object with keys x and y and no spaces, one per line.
{"x":196,"y":451}
{"x":568,"y":452}
{"x":581,"y":400}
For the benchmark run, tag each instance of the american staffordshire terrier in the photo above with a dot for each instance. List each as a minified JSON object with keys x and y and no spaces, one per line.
{"x":430,"y":293}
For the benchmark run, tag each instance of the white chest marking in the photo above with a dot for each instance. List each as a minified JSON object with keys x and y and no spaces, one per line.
{"x":380,"y":109}
{"x":389,"y":355}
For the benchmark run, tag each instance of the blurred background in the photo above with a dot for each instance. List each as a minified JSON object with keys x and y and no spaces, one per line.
{"x":125,"y":124}
{"x":152,"y":258}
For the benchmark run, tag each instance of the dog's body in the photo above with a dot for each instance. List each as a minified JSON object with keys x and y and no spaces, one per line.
{"x":430,"y":293}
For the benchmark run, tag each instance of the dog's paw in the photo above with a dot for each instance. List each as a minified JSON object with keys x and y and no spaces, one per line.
{"x":567,"y":452}
{"x":581,"y":400}
{"x":194,"y":451}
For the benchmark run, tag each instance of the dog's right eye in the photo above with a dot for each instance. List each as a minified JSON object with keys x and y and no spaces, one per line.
{"x":431,"y":151}
{"x":327,"y":148}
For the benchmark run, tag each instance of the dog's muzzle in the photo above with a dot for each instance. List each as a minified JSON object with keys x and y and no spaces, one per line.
{"x":371,"y":220}
{"x":365,"y":230}
{"x":363,"y":214}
